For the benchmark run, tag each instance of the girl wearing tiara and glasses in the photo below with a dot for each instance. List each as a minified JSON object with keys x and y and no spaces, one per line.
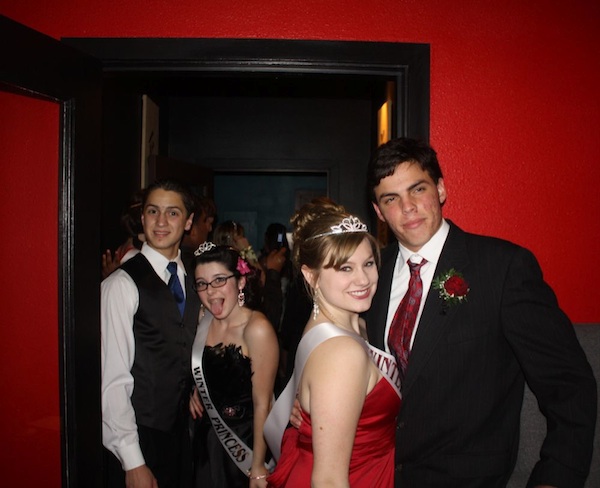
{"x":234,"y":363}
{"x":348,"y":405}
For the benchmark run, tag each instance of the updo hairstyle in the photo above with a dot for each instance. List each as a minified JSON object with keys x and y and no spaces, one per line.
{"x":315,"y":218}
{"x":226,"y":232}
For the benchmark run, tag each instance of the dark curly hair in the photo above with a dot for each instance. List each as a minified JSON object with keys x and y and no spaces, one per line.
{"x":228,"y":257}
{"x":390,"y":155}
{"x":175,"y":186}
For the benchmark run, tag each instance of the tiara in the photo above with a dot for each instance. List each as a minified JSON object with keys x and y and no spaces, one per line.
{"x":348,"y":224}
{"x":205,"y":246}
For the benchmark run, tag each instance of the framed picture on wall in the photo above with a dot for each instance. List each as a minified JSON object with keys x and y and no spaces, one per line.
{"x":150,"y":115}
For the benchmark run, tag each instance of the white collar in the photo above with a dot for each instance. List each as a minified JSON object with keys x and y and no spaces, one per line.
{"x":432,"y":249}
{"x":158,"y":261}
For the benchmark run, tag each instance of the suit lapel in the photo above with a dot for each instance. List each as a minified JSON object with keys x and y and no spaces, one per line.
{"x":377,"y":315}
{"x":434,"y":319}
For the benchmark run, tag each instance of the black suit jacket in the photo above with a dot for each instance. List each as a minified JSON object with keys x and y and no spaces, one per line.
{"x":462,"y":395}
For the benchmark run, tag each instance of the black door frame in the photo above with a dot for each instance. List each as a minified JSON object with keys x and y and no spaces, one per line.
{"x":405,"y":63}
{"x":40,"y":66}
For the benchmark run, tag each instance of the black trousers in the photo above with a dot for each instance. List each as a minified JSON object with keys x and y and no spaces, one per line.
{"x":167,"y":454}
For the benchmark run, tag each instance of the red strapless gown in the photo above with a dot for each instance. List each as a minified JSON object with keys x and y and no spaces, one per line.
{"x":372,"y":461}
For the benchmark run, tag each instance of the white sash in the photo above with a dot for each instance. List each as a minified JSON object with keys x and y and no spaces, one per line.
{"x":279,"y":416}
{"x":238,"y":451}
{"x":388,"y":367}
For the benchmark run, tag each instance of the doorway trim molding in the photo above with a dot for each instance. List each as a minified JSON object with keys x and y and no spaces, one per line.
{"x":405,"y":63}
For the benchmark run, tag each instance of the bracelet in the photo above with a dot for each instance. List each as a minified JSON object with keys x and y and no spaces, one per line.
{"x":259,"y":477}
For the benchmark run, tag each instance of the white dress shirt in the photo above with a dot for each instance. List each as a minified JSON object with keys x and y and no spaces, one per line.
{"x":119,"y":302}
{"x":129,"y":254}
{"x":431,"y":251}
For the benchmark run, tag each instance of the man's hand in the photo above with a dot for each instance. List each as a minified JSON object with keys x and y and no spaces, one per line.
{"x":196,"y":408}
{"x":140,"y":477}
{"x":295,"y":416}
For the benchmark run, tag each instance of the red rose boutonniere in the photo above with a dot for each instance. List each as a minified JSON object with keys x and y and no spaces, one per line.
{"x":453,"y":288}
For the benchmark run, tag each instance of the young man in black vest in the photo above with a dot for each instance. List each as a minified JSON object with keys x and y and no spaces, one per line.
{"x":149,"y":318}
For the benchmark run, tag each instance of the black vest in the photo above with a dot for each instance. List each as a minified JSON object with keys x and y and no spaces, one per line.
{"x":163,"y":346}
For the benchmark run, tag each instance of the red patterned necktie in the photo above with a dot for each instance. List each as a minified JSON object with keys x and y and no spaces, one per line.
{"x":405,"y":317}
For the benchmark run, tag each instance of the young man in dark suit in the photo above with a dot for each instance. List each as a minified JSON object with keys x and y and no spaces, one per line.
{"x":486,"y":323}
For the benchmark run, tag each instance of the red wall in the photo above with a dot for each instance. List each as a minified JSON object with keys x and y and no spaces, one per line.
{"x":515,"y":110}
{"x":515,"y":117}
{"x":29,"y":412}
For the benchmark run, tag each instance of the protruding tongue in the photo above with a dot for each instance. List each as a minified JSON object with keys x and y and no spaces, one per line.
{"x":216,"y":307}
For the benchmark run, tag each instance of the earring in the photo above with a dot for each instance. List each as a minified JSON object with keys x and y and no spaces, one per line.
{"x":315,"y":303}
{"x":241,"y":298}
{"x":202,"y":309}
{"x":315,"y":310}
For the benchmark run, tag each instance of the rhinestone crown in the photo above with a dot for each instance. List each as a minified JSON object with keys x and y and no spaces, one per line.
{"x":205,"y":246}
{"x":348,"y":224}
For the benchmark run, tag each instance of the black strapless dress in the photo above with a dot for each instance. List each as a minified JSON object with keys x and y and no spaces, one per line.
{"x":228,"y":377}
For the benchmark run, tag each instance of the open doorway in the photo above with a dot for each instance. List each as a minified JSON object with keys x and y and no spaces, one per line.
{"x":272,"y":136}
{"x":99,"y":169}
{"x":265,"y":197}
{"x":257,"y":105}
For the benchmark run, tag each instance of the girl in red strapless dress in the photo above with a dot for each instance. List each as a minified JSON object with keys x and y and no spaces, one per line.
{"x":372,"y":461}
{"x":348,"y":408}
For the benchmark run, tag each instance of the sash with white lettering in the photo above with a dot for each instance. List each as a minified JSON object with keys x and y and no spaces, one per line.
{"x":238,"y":451}
{"x":388,"y":367}
{"x":279,"y":416}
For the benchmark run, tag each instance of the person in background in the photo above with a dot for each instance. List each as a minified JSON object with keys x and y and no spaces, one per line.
{"x":274,"y":260}
{"x":278,"y":268}
{"x":205,"y":212}
{"x":234,"y":361}
{"x":297,"y":310}
{"x":348,"y":406}
{"x":231,"y":233}
{"x":131,"y":223}
{"x":208,"y":214}
{"x":485,"y":321}
{"x":149,"y":315}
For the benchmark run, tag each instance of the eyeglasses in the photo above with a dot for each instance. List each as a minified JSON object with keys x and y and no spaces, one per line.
{"x":218,"y":282}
